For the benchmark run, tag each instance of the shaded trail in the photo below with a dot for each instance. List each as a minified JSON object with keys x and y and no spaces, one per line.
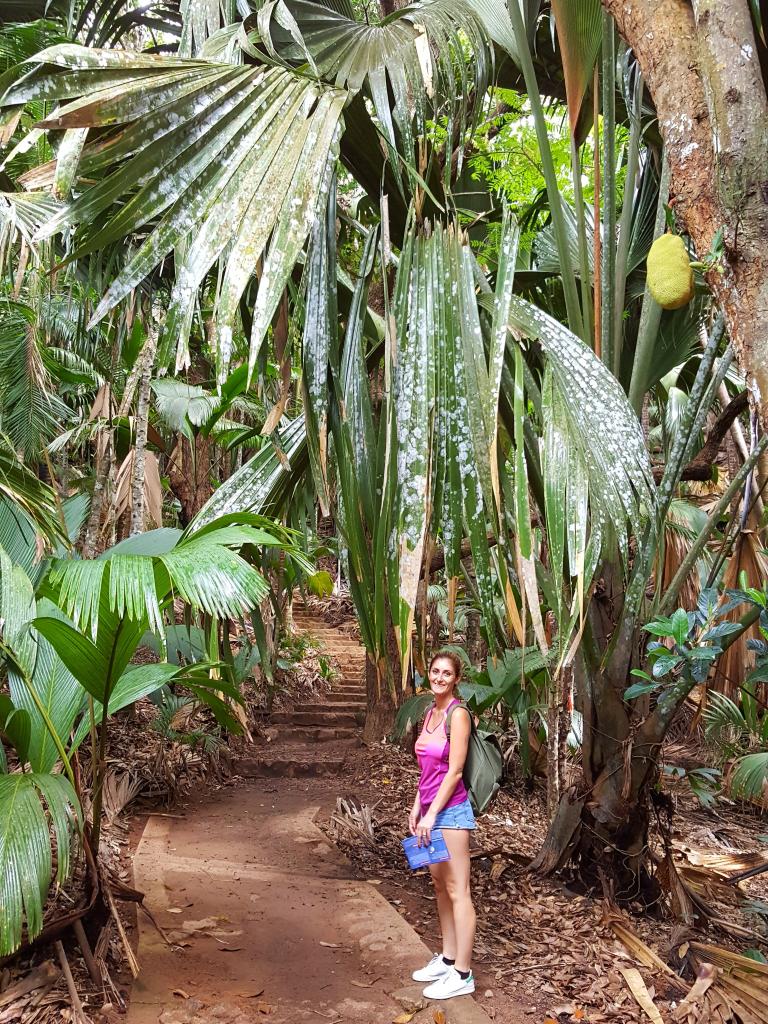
{"x":268,"y":920}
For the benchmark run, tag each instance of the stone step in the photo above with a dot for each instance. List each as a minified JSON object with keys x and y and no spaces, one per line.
{"x":344,"y":696}
{"x":320,"y":734}
{"x":328,"y":716}
{"x":333,"y":638}
{"x":280,"y":766}
{"x":351,"y":706}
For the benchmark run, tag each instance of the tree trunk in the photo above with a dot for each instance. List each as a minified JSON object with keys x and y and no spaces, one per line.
{"x":600,"y":827}
{"x":139,"y":450}
{"x":384,"y":690}
{"x":189,"y":475}
{"x":701,"y":65}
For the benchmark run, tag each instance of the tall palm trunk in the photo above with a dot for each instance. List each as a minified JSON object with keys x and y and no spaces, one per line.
{"x":140,"y":442}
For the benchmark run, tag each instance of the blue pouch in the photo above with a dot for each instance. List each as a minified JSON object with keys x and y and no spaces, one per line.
{"x":420,"y":856}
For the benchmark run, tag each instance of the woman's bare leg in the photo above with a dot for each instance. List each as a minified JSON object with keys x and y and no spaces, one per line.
{"x":444,"y":908}
{"x":456,"y":880}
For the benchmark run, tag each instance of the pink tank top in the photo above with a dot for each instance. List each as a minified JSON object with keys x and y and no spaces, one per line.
{"x":432,"y":748}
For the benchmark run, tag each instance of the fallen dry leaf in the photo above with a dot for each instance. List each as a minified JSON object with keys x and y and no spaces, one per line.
{"x":181,"y":993}
{"x":175,"y":910}
{"x":403,"y":1018}
{"x":363,"y":984}
{"x":438,"y":1017}
{"x":331,"y":945}
{"x":643,"y":999}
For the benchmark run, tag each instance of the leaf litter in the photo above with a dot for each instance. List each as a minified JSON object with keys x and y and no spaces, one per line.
{"x":564,"y":955}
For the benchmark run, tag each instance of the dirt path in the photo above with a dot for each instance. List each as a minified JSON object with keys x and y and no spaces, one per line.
{"x":267,"y":921}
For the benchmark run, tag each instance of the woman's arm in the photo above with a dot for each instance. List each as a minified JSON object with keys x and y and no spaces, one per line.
{"x":413,"y":817}
{"x":457,"y":755}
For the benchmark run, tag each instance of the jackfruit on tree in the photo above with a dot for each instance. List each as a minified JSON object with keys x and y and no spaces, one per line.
{"x":670,"y":277}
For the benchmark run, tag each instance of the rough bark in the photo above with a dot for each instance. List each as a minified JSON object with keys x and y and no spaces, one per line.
{"x":189,"y":475}
{"x":701,"y":66}
{"x":384,"y":691}
{"x":140,"y":442}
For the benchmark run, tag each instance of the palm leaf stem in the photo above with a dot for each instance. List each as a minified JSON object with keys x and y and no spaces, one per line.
{"x":572,"y":305}
{"x":732,"y":534}
{"x":625,"y":224}
{"x":101,"y":763}
{"x":608,"y":267}
{"x":650,"y":314}
{"x":619,"y":650}
{"x":675,"y":462}
{"x":709,"y":527}
{"x":581,"y":233}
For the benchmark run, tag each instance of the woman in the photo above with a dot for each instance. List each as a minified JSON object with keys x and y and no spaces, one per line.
{"x":442,"y":802}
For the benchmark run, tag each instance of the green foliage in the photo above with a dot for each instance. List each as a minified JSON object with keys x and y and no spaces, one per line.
{"x":25,"y":849}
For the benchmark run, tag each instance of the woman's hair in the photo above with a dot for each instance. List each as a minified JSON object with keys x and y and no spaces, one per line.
{"x":451,"y":656}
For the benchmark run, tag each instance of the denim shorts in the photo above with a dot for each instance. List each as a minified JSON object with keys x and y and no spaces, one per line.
{"x":458,"y":816}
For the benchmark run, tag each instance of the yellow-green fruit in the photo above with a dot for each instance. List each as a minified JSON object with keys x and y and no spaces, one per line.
{"x":670,"y":278}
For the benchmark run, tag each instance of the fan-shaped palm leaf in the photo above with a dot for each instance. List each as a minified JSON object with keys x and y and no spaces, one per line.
{"x":21,"y":487}
{"x":241,"y":167}
{"x":749,"y":779}
{"x":107,"y":22}
{"x":579,"y":34}
{"x":25,"y":849}
{"x":263,"y":483}
{"x":32,"y":413}
{"x":24,"y":214}
{"x":412,"y":53}
{"x":601,"y":423}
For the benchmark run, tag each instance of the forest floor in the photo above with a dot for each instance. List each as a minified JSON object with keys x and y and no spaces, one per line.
{"x":263,"y":919}
{"x":541,"y":945}
{"x":260,"y":918}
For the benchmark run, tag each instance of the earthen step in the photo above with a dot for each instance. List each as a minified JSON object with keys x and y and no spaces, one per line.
{"x":279,"y":766}
{"x":320,"y":734}
{"x":333,"y":638}
{"x":351,"y":706}
{"x":329,"y":716}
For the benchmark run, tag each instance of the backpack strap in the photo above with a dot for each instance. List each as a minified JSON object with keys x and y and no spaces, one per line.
{"x":425,"y":716}
{"x":451,"y":709}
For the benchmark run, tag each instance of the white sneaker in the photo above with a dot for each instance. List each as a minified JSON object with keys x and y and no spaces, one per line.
{"x":449,"y":985}
{"x":435,"y":969}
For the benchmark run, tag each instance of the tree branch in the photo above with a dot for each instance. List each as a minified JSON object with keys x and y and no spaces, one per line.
{"x":700,"y":468}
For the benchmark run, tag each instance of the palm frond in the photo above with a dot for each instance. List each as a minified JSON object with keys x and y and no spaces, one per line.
{"x":22,"y":488}
{"x":23,"y":214}
{"x":749,"y":779}
{"x":265,"y":480}
{"x":605,"y":429}
{"x":25,"y":849}
{"x":32,"y":412}
{"x":416,"y":54}
{"x":579,"y":34}
{"x":242,"y":167}
{"x":56,"y":689}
